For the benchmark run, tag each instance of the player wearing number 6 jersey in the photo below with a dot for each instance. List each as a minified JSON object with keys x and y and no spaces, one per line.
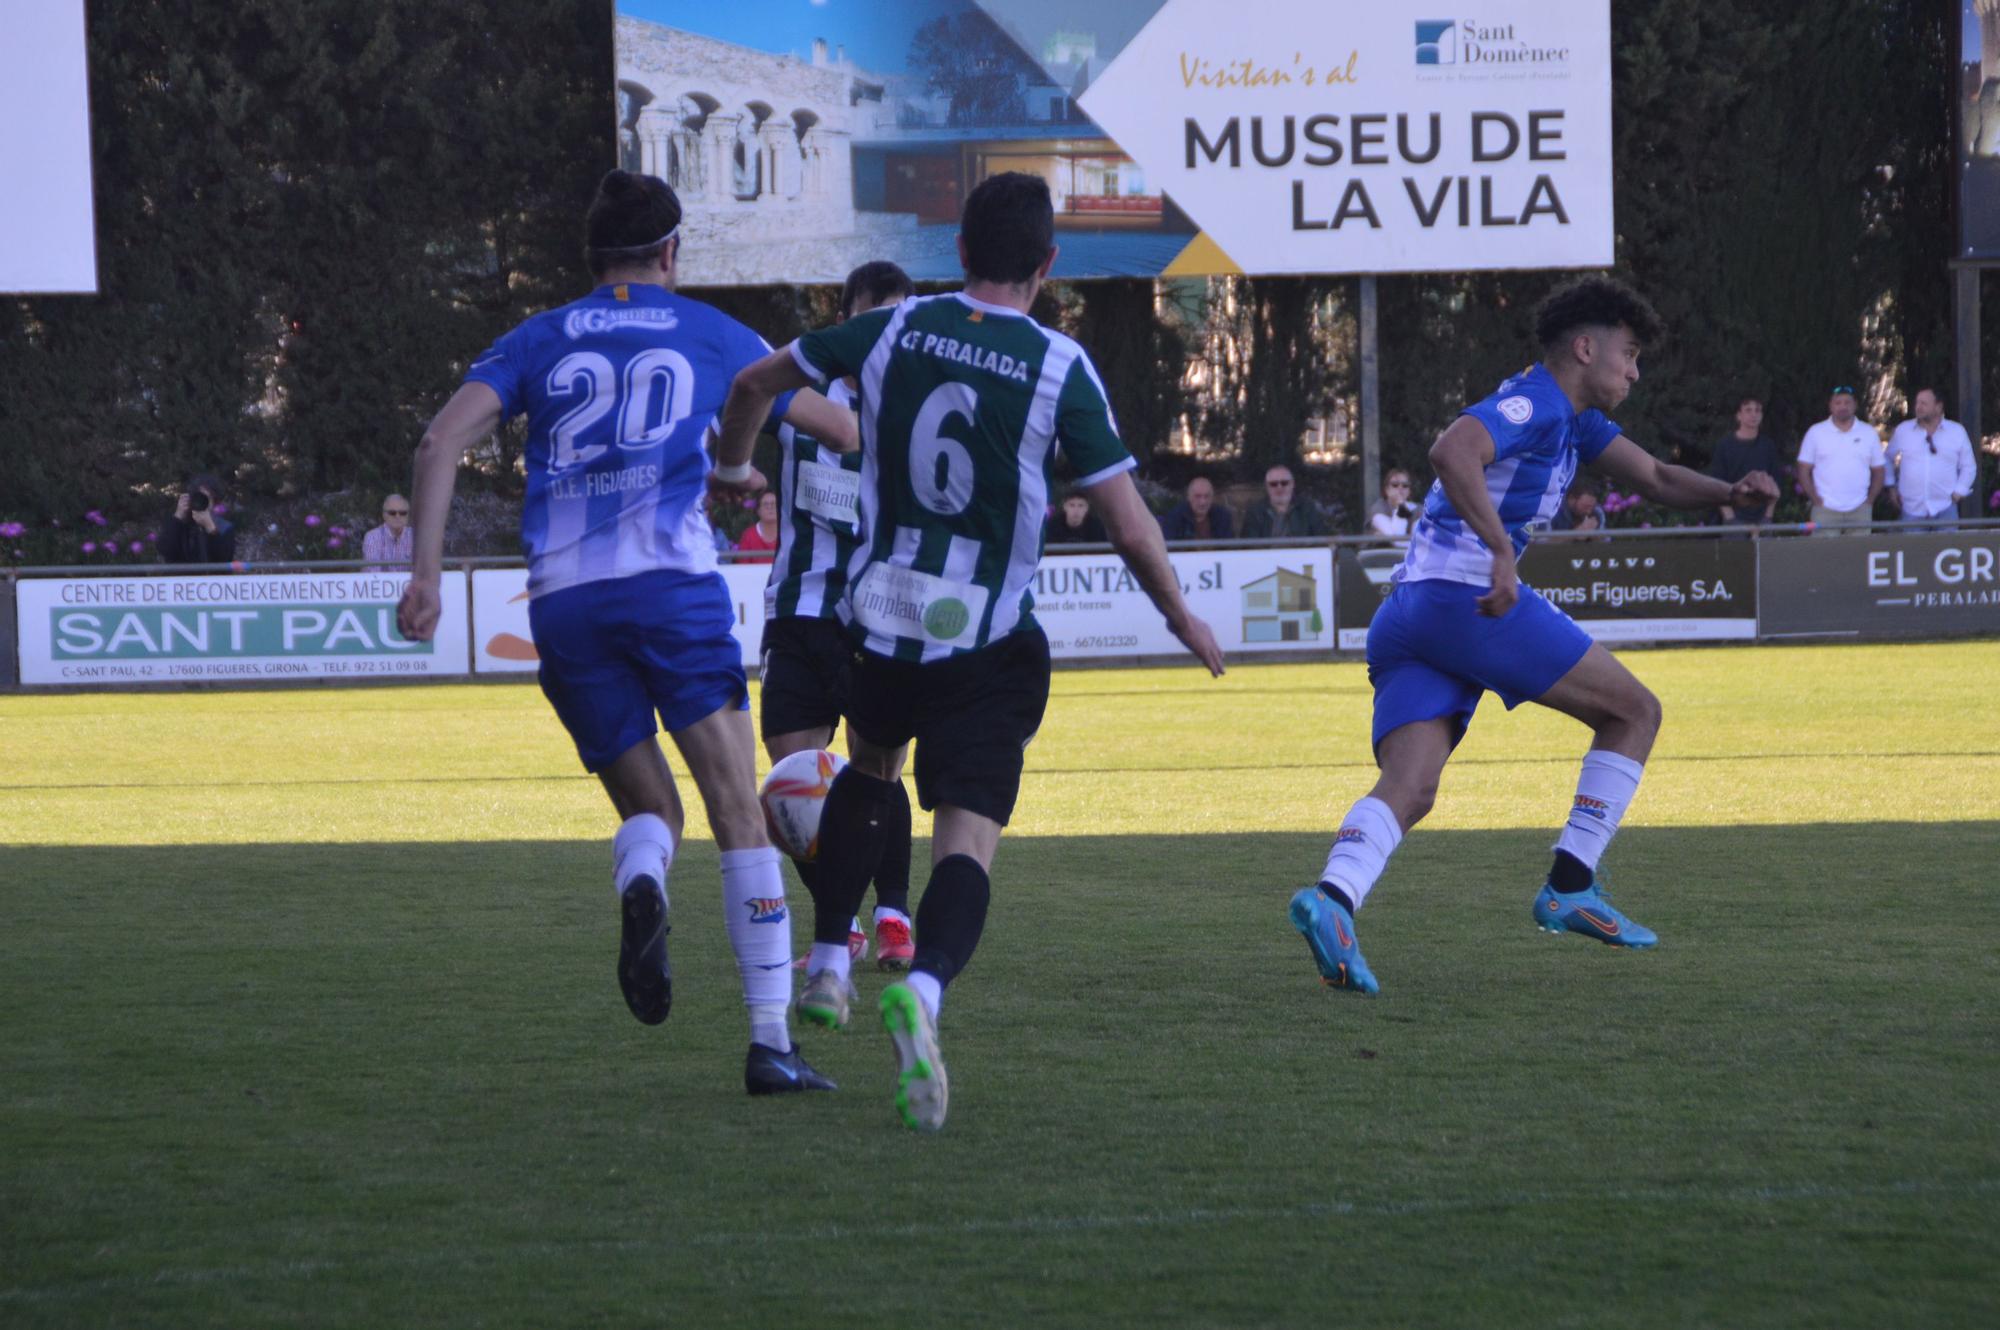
{"x":965,"y":403}
{"x":629,"y":613}
{"x":806,"y":661}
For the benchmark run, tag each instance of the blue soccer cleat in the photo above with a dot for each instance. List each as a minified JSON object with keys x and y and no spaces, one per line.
{"x":1590,"y":913}
{"x":1329,"y":930}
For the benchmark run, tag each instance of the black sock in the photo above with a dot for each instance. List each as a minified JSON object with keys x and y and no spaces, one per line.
{"x":1339,"y":894}
{"x":950,"y":917}
{"x":892,"y":874}
{"x":1570,"y":874}
{"x":851,"y":827}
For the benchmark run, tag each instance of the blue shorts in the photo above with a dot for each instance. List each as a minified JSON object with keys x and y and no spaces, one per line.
{"x":614,"y":652}
{"x":1431,"y":653}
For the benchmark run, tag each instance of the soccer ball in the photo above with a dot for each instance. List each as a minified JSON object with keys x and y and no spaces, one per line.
{"x":793,"y":795}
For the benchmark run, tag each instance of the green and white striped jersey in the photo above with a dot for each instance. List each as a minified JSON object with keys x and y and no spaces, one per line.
{"x":963,"y":405}
{"x":819,"y":522}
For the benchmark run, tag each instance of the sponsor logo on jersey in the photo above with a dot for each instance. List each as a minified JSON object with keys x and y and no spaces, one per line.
{"x":947,"y":618}
{"x":1517,"y":409}
{"x":766,"y":909}
{"x":1590,"y":807}
{"x":581,"y":322}
{"x":964,"y":353}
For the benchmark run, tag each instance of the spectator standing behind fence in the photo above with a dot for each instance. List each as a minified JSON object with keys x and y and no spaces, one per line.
{"x":1280,"y":512}
{"x":1840,"y":466}
{"x":196,"y":533}
{"x":1198,"y":517}
{"x":390,"y":545}
{"x":1738,"y":454}
{"x":1930,"y":466}
{"x":1072,"y":523}
{"x":761,"y":536}
{"x":1392,"y":514}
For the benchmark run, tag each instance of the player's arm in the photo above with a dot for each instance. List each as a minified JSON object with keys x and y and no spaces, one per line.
{"x":469,"y":418}
{"x":753,"y":393}
{"x":1677,"y":486}
{"x":1459,"y":460}
{"x":831,"y":426}
{"x":1130,"y":527}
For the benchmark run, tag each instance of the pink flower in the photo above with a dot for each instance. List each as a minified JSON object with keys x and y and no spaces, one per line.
{"x":312,"y":519}
{"x":90,"y":547}
{"x":11,"y":530}
{"x":337,"y":530}
{"x":221,"y":508}
{"x":94,"y":517}
{"x":152,"y":535}
{"x":333,"y":542}
{"x":138,"y":547}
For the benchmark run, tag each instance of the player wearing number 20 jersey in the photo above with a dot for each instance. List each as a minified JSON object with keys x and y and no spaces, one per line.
{"x":964,"y":405}
{"x":618,"y":388}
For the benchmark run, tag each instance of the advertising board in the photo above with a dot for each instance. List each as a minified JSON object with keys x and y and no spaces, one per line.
{"x":1088,"y":604}
{"x":1177,"y":137}
{"x":240,"y":627}
{"x":1880,"y":585}
{"x":1620,"y":591}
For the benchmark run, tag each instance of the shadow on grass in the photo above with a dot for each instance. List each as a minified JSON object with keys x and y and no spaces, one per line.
{"x":368,"y":1083}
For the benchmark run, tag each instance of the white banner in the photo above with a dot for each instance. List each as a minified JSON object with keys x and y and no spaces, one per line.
{"x":1090,"y":606}
{"x":47,"y":230}
{"x":241,"y":626}
{"x":1255,"y":600}
{"x":1309,"y":137}
{"x":503,"y":642}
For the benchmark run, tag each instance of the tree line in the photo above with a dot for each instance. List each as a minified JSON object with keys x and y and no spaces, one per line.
{"x":312,"y":214}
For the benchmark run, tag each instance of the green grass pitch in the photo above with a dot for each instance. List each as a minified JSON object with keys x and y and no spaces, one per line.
{"x":307,"y":1017}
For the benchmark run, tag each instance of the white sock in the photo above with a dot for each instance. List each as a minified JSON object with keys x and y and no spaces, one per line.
{"x":643,"y":846}
{"x":753,"y":905}
{"x":832,"y":956}
{"x":1604,"y":790}
{"x":929,"y":991}
{"x":1361,"y":848}
{"x":884,"y":912}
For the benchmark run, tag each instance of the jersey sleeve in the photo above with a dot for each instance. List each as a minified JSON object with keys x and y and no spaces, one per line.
{"x":1517,"y":422}
{"x":829,"y":353}
{"x":497,"y":368}
{"x":1086,"y":431}
{"x":1594,"y":433}
{"x":1809,"y":447}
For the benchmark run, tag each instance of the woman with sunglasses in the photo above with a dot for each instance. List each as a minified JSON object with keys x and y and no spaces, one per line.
{"x":1392,"y":514}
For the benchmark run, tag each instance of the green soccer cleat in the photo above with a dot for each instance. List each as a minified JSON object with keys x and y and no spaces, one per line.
{"x":826,"y":1000}
{"x":922,"y":1092}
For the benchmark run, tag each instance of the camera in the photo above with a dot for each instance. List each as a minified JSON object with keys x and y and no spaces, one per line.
{"x":198,"y":501}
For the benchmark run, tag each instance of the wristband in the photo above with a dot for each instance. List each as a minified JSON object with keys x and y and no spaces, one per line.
{"x":732,"y":475}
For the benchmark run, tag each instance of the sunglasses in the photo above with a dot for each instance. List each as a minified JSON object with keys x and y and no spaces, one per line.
{"x":1841,"y":391}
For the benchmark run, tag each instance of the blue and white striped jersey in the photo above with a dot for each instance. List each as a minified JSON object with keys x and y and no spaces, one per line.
{"x":1538,"y":441}
{"x":619,"y":388}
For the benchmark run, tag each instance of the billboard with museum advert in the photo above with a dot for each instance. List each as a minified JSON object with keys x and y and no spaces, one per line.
{"x":1177,"y":137}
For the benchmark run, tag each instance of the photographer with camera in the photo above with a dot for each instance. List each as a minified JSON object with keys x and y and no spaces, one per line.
{"x":195,"y":534}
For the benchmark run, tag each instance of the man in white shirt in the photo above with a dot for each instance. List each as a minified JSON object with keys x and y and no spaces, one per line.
{"x":1930,"y":466}
{"x":1840,"y":466}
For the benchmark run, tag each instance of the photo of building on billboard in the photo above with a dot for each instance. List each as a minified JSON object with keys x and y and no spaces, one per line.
{"x":1979,"y":130}
{"x":804,"y":139}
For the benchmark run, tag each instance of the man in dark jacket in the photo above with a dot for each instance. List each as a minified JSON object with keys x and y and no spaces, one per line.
{"x":1282,"y":512}
{"x":1197,"y":517}
{"x":194,"y":534}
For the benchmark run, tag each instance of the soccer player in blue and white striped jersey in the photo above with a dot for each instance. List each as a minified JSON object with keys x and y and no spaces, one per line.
{"x":1459,"y":621}
{"x":630,"y":616}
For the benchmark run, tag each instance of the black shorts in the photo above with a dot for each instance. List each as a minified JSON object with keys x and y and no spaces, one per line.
{"x":971,"y":717}
{"x":807,"y":671}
